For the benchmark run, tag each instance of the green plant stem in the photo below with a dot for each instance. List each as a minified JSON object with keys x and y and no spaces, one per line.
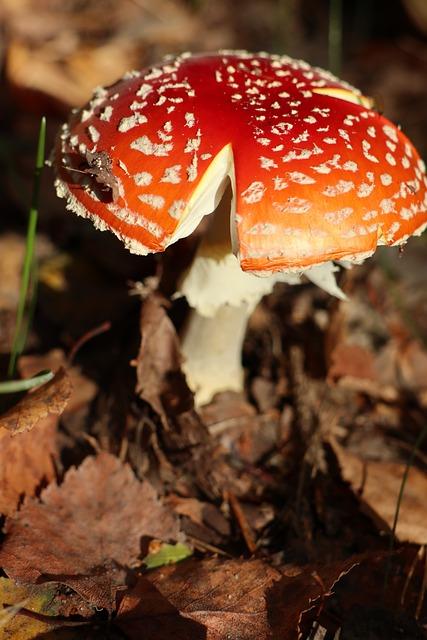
{"x":335,"y":36}
{"x":16,"y":386}
{"x":28,"y":269}
{"x":422,"y":435}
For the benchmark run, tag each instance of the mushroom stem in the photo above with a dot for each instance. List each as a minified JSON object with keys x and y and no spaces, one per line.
{"x":212,"y":347}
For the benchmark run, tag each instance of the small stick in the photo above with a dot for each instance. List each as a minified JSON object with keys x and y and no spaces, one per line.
{"x":92,"y":333}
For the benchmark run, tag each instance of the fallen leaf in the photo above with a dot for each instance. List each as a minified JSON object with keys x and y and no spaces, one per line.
{"x":209,"y":599}
{"x":48,"y":600}
{"x":86,"y":533}
{"x":83,"y":388}
{"x":167,"y":554}
{"x":161,"y":381}
{"x":351,"y":360}
{"x":378,"y":484}
{"x":26,"y":460}
{"x":49,"y":399}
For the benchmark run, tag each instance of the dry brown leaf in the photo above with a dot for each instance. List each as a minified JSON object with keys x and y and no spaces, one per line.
{"x":378,"y":484}
{"x":26,"y":460}
{"x":60,"y":50}
{"x":86,"y":533}
{"x":161,"y":382}
{"x":83,"y":388}
{"x":351,"y":360}
{"x":209,"y":599}
{"x":218,"y":600}
{"x":49,"y":399}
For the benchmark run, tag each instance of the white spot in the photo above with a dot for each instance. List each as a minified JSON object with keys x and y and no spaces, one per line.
{"x":293,"y":205}
{"x":177,"y":208}
{"x":365,"y":190}
{"x":370,"y":215}
{"x":149,"y":148}
{"x":254,"y":193}
{"x":263,"y":141}
{"x":350,"y":166}
{"x":122,"y":166}
{"x":335,"y":217}
{"x":387,"y":205}
{"x":330,"y":140}
{"x":390,"y":132}
{"x":300,"y":178}
{"x":192,"y":168}
{"x":342,"y":186}
{"x":190,"y":120}
{"x":106,"y":113}
{"x":386,"y":179}
{"x":366,"y":147}
{"x":93,"y":133}
{"x":391,"y":145}
{"x":267,"y":163}
{"x":390,"y":159}
{"x":144,"y":90}
{"x":206,"y":156}
{"x":303,"y":137}
{"x":279,"y":183}
{"x":142,"y":179}
{"x":156,"y":202}
{"x":193,"y":144}
{"x":130,"y":122}
{"x":171,"y":174}
{"x":405,"y":162}
{"x":372,"y":132}
{"x":136,"y":106}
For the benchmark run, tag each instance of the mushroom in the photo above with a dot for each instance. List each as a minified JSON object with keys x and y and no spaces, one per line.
{"x":297,"y":170}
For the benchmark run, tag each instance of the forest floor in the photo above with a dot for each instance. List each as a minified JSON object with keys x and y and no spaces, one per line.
{"x":126,"y":513}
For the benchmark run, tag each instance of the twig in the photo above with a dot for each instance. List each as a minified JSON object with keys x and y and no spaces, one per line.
{"x":92,"y":333}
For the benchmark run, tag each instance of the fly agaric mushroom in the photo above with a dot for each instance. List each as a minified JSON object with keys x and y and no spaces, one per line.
{"x":314,"y":177}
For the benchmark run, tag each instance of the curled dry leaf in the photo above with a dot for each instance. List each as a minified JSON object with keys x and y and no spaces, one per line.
{"x":49,"y":399}
{"x":161,"y":381}
{"x":84,"y":389}
{"x":86,"y":533}
{"x":378,"y":484}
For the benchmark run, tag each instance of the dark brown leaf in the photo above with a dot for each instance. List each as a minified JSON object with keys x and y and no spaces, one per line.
{"x":49,"y":399}
{"x":209,"y":599}
{"x":87,"y":532}
{"x":161,"y":382}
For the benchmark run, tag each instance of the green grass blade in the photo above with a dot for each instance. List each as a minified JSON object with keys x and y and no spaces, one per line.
{"x":16,"y":386}
{"x":335,"y":36}
{"x":28,"y":271}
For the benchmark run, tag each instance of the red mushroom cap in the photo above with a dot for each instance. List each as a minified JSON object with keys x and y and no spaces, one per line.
{"x":317,"y":174}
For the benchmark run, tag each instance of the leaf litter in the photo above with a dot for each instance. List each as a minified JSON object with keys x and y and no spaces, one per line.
{"x":284,"y":495}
